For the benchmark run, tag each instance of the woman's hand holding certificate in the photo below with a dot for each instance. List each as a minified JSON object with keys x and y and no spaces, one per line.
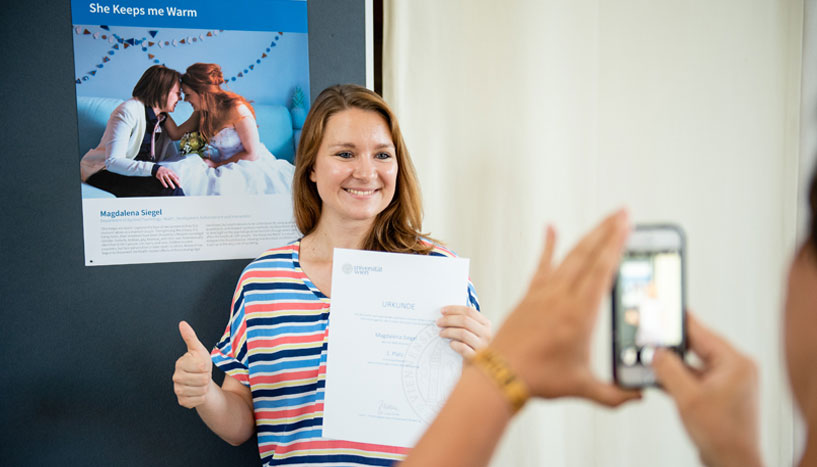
{"x":468,"y":329}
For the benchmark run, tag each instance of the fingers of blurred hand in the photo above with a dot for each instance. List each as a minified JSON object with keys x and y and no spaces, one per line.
{"x":574,"y":267}
{"x":598,"y":275}
{"x":190,"y":338}
{"x":610,"y":394}
{"x":704,"y":342}
{"x":678,"y":380}
{"x":546,"y":260}
{"x":718,"y":354}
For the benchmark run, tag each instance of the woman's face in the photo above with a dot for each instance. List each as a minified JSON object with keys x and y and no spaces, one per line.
{"x":356,"y":166}
{"x":191,"y":97}
{"x":172,"y":99}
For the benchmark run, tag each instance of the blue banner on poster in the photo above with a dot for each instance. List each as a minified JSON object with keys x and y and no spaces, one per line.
{"x":244,"y":15}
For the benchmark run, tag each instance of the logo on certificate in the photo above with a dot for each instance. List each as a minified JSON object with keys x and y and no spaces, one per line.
{"x":360,"y":270}
{"x":430,"y":370}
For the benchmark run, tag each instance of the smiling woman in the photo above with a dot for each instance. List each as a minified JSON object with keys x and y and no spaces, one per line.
{"x":347,"y":115}
{"x":355,"y":171}
{"x":354,"y":187}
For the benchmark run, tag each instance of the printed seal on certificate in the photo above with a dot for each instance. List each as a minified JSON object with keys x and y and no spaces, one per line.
{"x":430,"y":370}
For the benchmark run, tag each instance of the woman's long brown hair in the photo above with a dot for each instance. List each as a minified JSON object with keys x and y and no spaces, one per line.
{"x":398,"y":228}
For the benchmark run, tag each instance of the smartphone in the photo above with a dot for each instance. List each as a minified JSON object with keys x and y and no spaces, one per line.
{"x":648,"y":302}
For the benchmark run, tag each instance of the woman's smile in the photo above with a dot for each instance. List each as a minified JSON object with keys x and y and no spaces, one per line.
{"x":361,"y":192}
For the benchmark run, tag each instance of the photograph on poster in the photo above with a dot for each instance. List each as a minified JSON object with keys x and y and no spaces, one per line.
{"x":187,"y":134}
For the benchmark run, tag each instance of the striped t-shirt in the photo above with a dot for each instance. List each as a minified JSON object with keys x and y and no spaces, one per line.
{"x":276,"y":343}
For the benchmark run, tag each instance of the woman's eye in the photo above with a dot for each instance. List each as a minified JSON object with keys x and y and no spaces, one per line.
{"x":344,"y":155}
{"x":383,"y":155}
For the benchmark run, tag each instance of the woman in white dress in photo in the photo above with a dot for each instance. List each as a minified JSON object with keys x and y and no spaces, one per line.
{"x":236,"y":161}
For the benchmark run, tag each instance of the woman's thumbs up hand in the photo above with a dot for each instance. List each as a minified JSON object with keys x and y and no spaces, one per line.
{"x":194,"y":370}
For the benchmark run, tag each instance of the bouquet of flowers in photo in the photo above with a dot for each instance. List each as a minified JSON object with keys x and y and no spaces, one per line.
{"x":192,"y":143}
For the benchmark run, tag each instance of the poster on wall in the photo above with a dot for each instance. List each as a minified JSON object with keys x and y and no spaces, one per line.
{"x":188,"y":117}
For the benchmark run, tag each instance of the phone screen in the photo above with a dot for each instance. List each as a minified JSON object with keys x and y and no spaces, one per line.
{"x":648,"y":311}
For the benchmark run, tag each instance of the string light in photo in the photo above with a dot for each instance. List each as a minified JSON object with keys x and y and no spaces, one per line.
{"x":251,"y":66}
{"x":119,"y":43}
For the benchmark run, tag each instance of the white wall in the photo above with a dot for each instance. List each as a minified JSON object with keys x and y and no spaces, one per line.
{"x":520,"y":113}
{"x":808,"y":111}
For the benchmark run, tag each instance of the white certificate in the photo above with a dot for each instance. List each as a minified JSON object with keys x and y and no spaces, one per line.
{"x":388,"y":371}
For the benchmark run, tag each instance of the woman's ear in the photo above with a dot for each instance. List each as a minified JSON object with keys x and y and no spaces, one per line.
{"x":312,"y":175}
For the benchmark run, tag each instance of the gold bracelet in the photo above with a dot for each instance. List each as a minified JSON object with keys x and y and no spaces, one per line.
{"x":495,"y":367}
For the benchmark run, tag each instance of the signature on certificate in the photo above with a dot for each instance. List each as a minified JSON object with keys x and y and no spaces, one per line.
{"x":387,"y":410}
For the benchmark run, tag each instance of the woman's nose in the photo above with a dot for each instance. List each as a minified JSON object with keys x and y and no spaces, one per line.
{"x":365,"y":168}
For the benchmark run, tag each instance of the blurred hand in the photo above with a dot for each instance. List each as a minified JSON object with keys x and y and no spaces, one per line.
{"x":210,"y":163}
{"x":468,"y":329}
{"x":194,"y":370}
{"x":546,"y":340}
{"x":799,"y":322}
{"x":168,"y":177}
{"x":717,"y":403}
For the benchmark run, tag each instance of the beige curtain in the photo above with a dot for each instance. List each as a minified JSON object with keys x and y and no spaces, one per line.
{"x":520,"y":113}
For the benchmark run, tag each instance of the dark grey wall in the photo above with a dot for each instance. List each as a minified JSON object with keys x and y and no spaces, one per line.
{"x":337,"y":43}
{"x":89,"y":352}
